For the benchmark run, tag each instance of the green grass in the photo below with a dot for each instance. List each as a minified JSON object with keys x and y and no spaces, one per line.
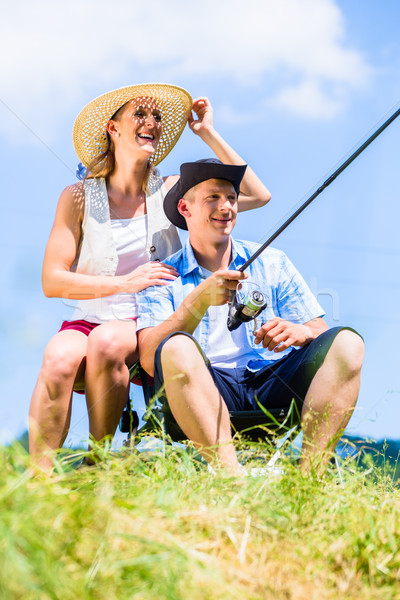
{"x":161,"y":527}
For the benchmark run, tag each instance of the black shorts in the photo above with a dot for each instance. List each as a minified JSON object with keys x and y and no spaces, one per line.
{"x":276,"y":385}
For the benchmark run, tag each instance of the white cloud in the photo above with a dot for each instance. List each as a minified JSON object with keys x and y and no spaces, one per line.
{"x":308,"y":99}
{"x":227,"y":114}
{"x":58,"y":55}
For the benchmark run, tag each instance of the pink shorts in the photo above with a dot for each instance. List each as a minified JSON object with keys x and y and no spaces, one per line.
{"x":86,"y":327}
{"x":82,"y":326}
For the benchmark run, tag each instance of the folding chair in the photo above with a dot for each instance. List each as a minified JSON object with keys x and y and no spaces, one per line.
{"x":129,"y":422}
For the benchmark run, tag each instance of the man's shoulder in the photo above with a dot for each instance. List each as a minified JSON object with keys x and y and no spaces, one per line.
{"x":249,"y":248}
{"x":176,"y":259}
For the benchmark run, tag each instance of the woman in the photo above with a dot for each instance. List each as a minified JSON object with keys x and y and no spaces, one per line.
{"x":105,"y":231}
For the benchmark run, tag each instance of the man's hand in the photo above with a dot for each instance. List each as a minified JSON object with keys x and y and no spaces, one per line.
{"x":278,"y":334}
{"x":216,"y":289}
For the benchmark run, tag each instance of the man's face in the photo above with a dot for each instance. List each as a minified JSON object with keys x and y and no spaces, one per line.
{"x":210,"y":209}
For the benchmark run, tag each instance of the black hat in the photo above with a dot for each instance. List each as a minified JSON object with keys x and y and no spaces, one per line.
{"x":193,"y":173}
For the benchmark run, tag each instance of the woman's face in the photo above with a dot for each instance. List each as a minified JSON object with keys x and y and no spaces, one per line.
{"x":140,"y":125}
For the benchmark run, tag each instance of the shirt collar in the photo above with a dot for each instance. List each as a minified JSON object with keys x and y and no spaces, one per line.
{"x":190,"y":263}
{"x":239,"y":255}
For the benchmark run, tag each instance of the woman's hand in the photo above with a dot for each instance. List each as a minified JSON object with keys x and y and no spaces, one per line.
{"x":204,"y":113}
{"x":151,"y":273}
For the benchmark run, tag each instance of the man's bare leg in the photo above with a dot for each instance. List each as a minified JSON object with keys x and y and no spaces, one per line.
{"x":330,"y":400}
{"x":196,"y":403}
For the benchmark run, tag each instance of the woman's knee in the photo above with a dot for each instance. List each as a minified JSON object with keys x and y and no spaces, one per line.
{"x":107,"y":346}
{"x":61,"y":363}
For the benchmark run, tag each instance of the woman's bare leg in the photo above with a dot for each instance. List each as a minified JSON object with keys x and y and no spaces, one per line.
{"x":111,"y":348}
{"x":50,"y":409}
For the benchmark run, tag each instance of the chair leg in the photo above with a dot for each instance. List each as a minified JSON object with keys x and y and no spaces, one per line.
{"x":129,"y":423}
{"x":338,"y":468}
{"x":284,"y":440}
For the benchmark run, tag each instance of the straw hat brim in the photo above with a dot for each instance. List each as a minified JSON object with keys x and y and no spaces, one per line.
{"x":89,"y":134}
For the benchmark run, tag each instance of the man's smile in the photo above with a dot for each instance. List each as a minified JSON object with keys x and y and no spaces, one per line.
{"x":222,"y":220}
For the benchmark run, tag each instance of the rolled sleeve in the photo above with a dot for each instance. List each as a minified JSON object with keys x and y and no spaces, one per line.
{"x":155,"y":306}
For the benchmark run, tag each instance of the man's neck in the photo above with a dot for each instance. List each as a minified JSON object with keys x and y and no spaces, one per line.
{"x":212,"y":256}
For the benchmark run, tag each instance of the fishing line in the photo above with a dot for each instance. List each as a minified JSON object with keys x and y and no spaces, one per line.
{"x":35,"y":135}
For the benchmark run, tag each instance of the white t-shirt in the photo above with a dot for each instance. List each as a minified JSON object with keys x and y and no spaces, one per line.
{"x":225,"y":348}
{"x":129,"y":237}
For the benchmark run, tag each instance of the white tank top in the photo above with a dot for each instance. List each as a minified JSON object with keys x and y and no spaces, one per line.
{"x":129,"y":236}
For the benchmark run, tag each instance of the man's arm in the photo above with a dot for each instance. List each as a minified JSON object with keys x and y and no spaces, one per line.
{"x":279,"y":334}
{"x":215,"y":290}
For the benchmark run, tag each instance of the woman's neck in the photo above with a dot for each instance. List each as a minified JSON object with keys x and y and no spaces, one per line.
{"x":125,"y":190}
{"x":127,"y":178}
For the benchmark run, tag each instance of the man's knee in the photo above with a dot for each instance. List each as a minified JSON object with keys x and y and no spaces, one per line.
{"x":348,"y":351}
{"x":179,"y":352}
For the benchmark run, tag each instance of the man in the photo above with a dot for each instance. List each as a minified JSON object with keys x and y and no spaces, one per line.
{"x":207,"y":370}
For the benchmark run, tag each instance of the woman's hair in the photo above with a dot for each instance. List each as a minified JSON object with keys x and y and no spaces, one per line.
{"x":104,"y":164}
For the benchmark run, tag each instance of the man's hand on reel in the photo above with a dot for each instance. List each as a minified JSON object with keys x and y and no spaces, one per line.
{"x":217,"y":289}
{"x":278,"y":334}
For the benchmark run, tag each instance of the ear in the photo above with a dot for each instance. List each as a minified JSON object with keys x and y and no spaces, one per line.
{"x":112,"y":128}
{"x":183,"y":208}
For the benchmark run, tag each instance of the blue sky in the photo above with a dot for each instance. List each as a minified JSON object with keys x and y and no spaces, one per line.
{"x":296,"y":85}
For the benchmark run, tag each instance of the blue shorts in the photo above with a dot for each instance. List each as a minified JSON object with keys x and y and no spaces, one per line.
{"x":276,"y":385}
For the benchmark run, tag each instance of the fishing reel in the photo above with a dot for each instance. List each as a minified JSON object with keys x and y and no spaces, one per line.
{"x":246,"y":304}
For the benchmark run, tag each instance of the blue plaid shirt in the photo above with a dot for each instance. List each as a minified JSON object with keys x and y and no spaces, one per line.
{"x":286,"y":293}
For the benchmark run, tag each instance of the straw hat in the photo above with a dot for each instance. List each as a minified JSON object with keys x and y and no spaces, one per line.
{"x":89,"y":134}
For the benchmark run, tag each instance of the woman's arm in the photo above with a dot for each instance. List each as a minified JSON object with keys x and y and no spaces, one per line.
{"x":57,"y":279}
{"x":253,"y":192}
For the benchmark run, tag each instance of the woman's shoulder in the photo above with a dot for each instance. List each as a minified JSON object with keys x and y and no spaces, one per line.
{"x":73,"y":197}
{"x":170,"y":181}
{"x":155,"y":183}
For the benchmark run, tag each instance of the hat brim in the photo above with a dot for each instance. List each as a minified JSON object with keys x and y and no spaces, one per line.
{"x":89,"y":134}
{"x":191,"y":175}
{"x":171,"y":206}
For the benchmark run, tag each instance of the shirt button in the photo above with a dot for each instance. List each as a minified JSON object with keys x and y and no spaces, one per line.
{"x":152,"y":248}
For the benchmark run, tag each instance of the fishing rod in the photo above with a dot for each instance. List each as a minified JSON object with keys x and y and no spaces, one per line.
{"x":251,"y":304}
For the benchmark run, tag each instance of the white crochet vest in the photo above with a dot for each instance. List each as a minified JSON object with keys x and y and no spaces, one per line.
{"x":97,"y":254}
